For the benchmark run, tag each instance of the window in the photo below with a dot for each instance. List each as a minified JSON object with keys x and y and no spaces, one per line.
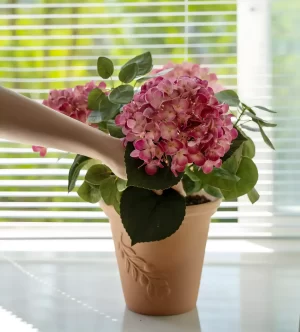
{"x":250,"y":44}
{"x":268,"y":75}
{"x":45,"y":46}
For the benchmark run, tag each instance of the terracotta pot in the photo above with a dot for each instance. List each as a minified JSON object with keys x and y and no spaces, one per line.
{"x":163,"y":277}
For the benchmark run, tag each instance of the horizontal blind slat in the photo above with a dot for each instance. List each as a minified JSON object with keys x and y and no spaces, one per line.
{"x":110,"y":47}
{"x":120,"y":36}
{"x":71,"y":68}
{"x":81,"y":205}
{"x":116,"y":57}
{"x":116,"y":4}
{"x":74,"y":194}
{"x":64,"y":183}
{"x":99,"y":26}
{"x":100,"y":215}
{"x":118,"y":15}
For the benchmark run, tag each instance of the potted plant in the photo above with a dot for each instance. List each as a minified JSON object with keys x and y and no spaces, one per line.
{"x":185,"y":149}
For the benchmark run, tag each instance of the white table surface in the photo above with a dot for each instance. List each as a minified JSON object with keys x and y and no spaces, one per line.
{"x":79,"y":291}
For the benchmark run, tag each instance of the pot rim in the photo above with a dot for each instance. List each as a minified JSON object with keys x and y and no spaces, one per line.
{"x":209,"y":207}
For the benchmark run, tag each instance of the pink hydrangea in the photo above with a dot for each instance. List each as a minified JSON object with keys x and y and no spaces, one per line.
{"x":191,"y":70}
{"x":180,"y":119}
{"x":70,"y":102}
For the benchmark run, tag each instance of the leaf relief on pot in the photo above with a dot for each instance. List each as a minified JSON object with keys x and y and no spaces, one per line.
{"x":145,"y":274}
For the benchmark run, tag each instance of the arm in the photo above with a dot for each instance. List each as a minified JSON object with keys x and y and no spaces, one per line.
{"x":24,"y":121}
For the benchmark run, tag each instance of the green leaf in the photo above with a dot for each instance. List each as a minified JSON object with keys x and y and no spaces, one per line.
{"x":114,"y":130}
{"x":103,"y":126}
{"x":191,"y":174}
{"x":97,"y":173}
{"x":163,"y":179}
{"x":228,"y":97}
{"x":146,"y":78}
{"x":89,"y":193}
{"x":128,"y":72}
{"x":213,"y":191}
{"x":235,"y":144}
{"x":94,"y":99}
{"x":122,"y":94}
{"x":225,"y":174}
{"x":149,"y":217}
{"x":163,"y":72}
{"x":232,"y":163}
{"x":248,"y":174}
{"x":249,"y":128}
{"x":110,"y":193}
{"x":143,"y":79}
{"x":105,"y":67}
{"x":121,"y":184}
{"x":144,"y":62}
{"x":249,"y":149}
{"x":190,"y":186}
{"x":248,"y":108}
{"x":213,"y":180}
{"x":108,"y":110}
{"x":264,"y":109}
{"x":265,"y":137}
{"x":95,"y":117}
{"x":79,"y":162}
{"x":262,"y":122}
{"x":253,"y":195}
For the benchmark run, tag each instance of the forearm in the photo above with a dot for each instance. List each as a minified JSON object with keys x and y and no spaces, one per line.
{"x":25,"y":121}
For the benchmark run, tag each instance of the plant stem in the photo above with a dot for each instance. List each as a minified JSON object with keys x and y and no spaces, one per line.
{"x":112,"y":82}
{"x":238,"y":120}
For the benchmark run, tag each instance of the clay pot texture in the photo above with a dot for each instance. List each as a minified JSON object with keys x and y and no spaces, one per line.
{"x":163,"y":277}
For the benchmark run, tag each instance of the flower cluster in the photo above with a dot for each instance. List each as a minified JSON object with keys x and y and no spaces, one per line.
{"x":179,"y":119}
{"x":71,"y":102}
{"x":191,"y":70}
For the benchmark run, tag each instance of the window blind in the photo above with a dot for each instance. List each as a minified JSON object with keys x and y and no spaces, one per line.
{"x":55,"y":45}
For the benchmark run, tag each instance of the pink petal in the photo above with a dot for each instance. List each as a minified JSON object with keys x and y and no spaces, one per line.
{"x":165,"y":86}
{"x":168,"y":130}
{"x":225,"y":108}
{"x":82,"y":116}
{"x":141,"y":144}
{"x":149,"y":112}
{"x":234,"y":133}
{"x":218,"y":163}
{"x":102,"y":85}
{"x":193,"y":147}
{"x":172,"y":147}
{"x":154,"y":97}
{"x":135,"y":154}
{"x":40,"y":149}
{"x":167,"y":113}
{"x":198,"y":159}
{"x":151,"y":169}
{"x":207,"y":167}
{"x":202,"y":98}
{"x":181,"y":159}
{"x":130,"y":137}
{"x":181,"y":105}
{"x":212,"y":155}
{"x":145,"y":155}
{"x":120,"y":120}
{"x":130,"y":123}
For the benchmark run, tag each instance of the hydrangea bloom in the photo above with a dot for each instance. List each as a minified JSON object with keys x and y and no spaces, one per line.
{"x":71,"y":102}
{"x":180,"y":119}
{"x":191,"y":70}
